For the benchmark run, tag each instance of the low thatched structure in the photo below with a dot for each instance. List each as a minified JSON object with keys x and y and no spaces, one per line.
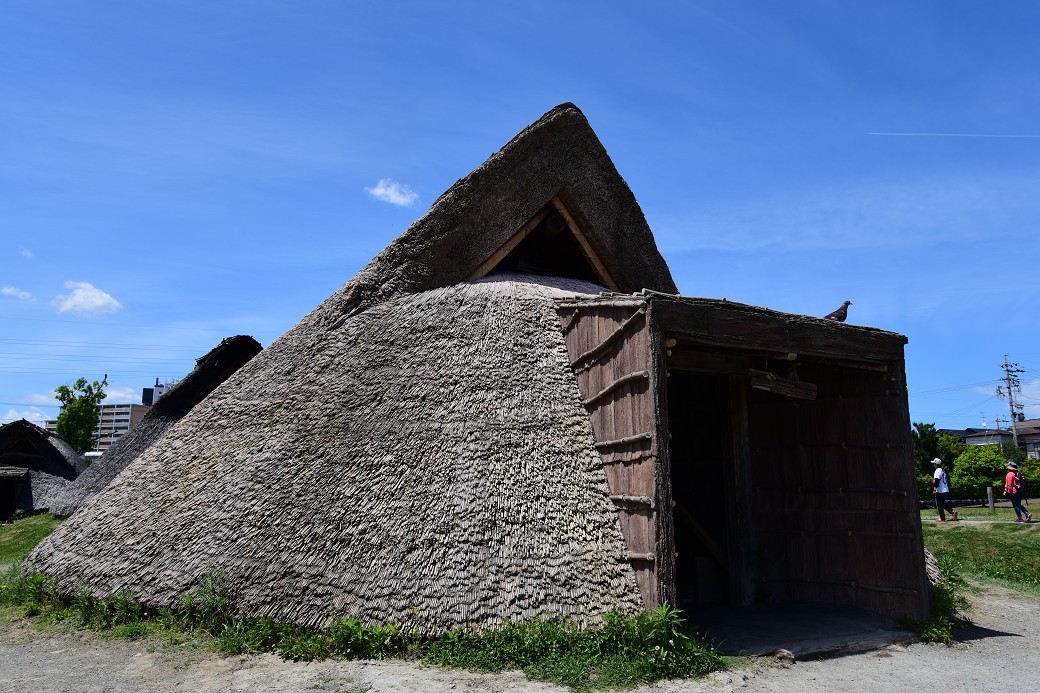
{"x":35,"y":466}
{"x":481,"y":425}
{"x":210,"y":370}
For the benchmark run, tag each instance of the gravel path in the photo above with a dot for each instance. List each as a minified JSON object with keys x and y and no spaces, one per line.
{"x":1004,"y":628}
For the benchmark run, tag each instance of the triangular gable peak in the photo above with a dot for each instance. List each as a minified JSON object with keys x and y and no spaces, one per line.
{"x":551,"y":243}
{"x":505,"y":212}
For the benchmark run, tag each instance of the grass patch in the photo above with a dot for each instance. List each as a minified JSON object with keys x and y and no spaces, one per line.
{"x":976,"y":513}
{"x":625,"y":651}
{"x":1004,"y":553}
{"x":19,"y":538}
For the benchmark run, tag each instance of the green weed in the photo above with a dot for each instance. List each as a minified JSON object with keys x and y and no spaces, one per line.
{"x":947,"y":603}
{"x":624,"y":651}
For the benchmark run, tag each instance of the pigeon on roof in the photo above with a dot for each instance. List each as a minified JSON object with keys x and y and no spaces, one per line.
{"x":839,"y":314}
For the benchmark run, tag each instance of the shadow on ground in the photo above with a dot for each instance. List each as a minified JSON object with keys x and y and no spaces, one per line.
{"x":803,"y":629}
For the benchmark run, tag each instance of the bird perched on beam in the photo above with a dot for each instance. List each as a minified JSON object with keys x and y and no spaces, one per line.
{"x":839,"y":314}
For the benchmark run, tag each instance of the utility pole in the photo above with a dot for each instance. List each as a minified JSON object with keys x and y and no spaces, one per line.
{"x":1008,"y":389}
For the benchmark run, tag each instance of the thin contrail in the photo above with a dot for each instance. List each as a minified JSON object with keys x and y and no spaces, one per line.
{"x":951,"y":134}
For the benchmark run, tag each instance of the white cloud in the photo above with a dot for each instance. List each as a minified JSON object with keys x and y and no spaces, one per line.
{"x":16,"y":293}
{"x":388,"y":190}
{"x":86,"y":299}
{"x":122,"y":395}
{"x":47,"y":400}
{"x":25,"y":252}
{"x":32,"y":415}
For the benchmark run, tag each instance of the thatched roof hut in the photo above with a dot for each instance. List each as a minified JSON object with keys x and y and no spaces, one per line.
{"x":210,"y":370}
{"x":480,"y":425}
{"x":35,"y":466}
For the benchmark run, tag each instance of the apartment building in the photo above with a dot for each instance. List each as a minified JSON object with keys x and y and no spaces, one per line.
{"x":116,"y":419}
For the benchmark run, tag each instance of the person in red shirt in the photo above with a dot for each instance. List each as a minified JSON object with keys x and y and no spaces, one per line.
{"x":1013,"y":490}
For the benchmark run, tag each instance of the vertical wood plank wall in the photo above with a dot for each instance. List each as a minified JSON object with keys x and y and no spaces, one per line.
{"x":618,"y":385}
{"x":837,"y":510}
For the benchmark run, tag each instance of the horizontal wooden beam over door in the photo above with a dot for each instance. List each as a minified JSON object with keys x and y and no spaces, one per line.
{"x":770,"y":382}
{"x":693,"y":360}
{"x":720,"y":324}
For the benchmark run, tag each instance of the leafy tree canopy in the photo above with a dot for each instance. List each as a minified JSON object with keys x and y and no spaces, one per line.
{"x":1012,"y":452}
{"x":80,"y":410}
{"x":976,"y":468}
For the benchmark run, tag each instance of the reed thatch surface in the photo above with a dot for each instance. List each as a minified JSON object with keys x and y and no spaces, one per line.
{"x":210,"y":370}
{"x":49,"y":461}
{"x":425,"y":462}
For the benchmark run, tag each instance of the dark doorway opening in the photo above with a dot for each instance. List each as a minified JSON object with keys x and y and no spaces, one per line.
{"x":701,"y":453}
{"x":550,"y":250}
{"x":10,"y":489}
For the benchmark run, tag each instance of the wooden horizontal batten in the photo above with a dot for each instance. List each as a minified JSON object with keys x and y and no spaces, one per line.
{"x":594,"y":303}
{"x":836,"y":533}
{"x":770,"y":382}
{"x":838,"y":490}
{"x":640,"y":556}
{"x":617,"y":442}
{"x":846,"y":583}
{"x":622,"y":499}
{"x":610,"y":339}
{"x":832,"y":444}
{"x":603,"y":462}
{"x":638,"y":375}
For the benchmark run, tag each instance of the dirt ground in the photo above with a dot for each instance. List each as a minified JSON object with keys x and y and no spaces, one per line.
{"x":1003,"y":629}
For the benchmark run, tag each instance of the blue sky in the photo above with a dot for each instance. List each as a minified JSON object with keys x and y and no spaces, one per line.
{"x":172,"y":173}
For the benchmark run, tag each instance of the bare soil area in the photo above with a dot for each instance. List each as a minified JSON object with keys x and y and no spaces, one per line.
{"x":1003,"y":629}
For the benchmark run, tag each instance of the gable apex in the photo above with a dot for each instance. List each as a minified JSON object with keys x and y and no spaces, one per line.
{"x":556,"y":161}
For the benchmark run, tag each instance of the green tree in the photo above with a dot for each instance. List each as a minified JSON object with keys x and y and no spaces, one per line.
{"x":80,"y":411}
{"x":976,"y":468}
{"x":1012,"y":452}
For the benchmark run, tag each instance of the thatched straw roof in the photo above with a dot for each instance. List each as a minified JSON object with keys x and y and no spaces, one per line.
{"x":426,"y":462}
{"x":415,"y":450}
{"x":210,"y":370}
{"x":557,"y":156}
{"x":47,"y":460}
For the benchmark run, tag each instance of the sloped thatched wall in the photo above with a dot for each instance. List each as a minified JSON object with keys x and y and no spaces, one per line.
{"x":425,"y":462}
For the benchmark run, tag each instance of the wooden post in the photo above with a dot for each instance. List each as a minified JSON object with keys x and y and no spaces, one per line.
{"x":989,"y":497}
{"x":738,"y":482}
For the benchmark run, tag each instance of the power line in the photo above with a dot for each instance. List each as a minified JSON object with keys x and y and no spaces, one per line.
{"x":27,"y":356}
{"x":91,"y":345}
{"x":116,"y":324}
{"x":951,"y":388}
